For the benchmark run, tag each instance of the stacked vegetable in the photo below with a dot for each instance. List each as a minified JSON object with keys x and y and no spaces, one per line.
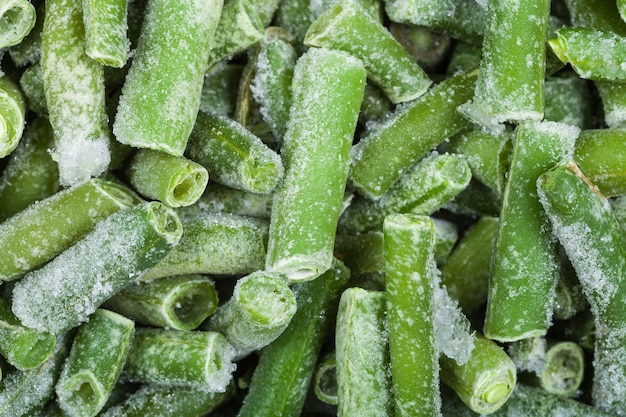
{"x":298,"y":207}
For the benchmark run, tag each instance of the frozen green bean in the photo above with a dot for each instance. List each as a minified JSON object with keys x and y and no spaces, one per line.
{"x":325,"y":379}
{"x":601,"y":155}
{"x":96,"y":360}
{"x":28,"y":50}
{"x":161,"y":94}
{"x":180,"y":302}
{"x":105,"y":31}
{"x":17,"y":19}
{"x":31,"y":83}
{"x":12,"y":115}
{"x":327,"y":93}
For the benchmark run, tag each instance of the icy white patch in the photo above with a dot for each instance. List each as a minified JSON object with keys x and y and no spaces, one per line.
{"x":78,"y":161}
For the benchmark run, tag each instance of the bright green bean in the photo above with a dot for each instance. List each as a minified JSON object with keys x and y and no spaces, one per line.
{"x":327,"y":93}
{"x":161,"y":94}
{"x":180,"y":302}
{"x":96,"y":360}
{"x":64,"y":292}
{"x":105,"y":31}
{"x":173,"y":180}
{"x":28,"y":50}
{"x":601,"y":155}
{"x":17,"y":19}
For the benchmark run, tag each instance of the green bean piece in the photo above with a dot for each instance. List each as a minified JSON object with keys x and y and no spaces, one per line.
{"x":48,"y":227}
{"x":524,"y":269}
{"x":486,"y":153}
{"x":96,"y":360}
{"x":22,"y":347}
{"x":362,"y":352}
{"x":31,"y":174}
{"x":31,"y":83}
{"x":17,"y":19}
{"x":325,"y":379}
{"x":363,"y":253}
{"x":281,"y":379}
{"x":564,"y":369}
{"x":409,"y":241}
{"x":486,"y":381}
{"x":64,"y":292}
{"x":593,"y":54}
{"x":601,"y":155}
{"x":568,"y":100}
{"x":346,"y":27}
{"x":512,"y":69}
{"x":74,"y":89}
{"x":161,"y":94}
{"x":23,"y":392}
{"x":179,"y":302}
{"x":215,"y":243}
{"x":271,"y":85}
{"x":260,"y":309}
{"x":588,"y":230}
{"x":327,"y":93}
{"x":461,"y":19}
{"x":465,"y":274}
{"x":219,"y":87}
{"x":391,"y":147}
{"x":173,"y":180}
{"x":219,"y":198}
{"x":266,"y":10}
{"x":239,"y":28}
{"x":425,"y":188}
{"x":13,"y":112}
{"x":105,"y":31}
{"x":174,"y":358}
{"x":232,"y":155}
{"x":160,"y":401}
{"x":28,"y":50}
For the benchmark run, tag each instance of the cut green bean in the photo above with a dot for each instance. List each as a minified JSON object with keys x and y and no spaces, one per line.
{"x":22,"y":347}
{"x":13,"y":113}
{"x":487,"y":154}
{"x":23,"y":392}
{"x":48,"y":227}
{"x":260,"y":309}
{"x":168,"y":402}
{"x":17,"y":19}
{"x":486,"y":381}
{"x":28,"y":50}
{"x":215,"y":243}
{"x":105,"y":31}
{"x":462,"y":19}
{"x":232,"y":155}
{"x":96,"y":359}
{"x":74,"y":89}
{"x":325,"y":379}
{"x":465,"y":274}
{"x":239,"y":28}
{"x":409,"y":242}
{"x":346,"y":27}
{"x":198,"y":360}
{"x":564,"y":370}
{"x":271,"y":84}
{"x":586,"y":227}
{"x":64,"y":292}
{"x":180,"y":302}
{"x":327,"y":93}
{"x":282,"y":377}
{"x":390,"y":148}
{"x":512,"y":69}
{"x":363,"y":377}
{"x":524,"y":269}
{"x":161,"y":94}
{"x":425,"y":188}
{"x":593,"y":54}
{"x":31,"y":83}
{"x":601,"y":155}
{"x":173,"y":180}
{"x":31,"y":174}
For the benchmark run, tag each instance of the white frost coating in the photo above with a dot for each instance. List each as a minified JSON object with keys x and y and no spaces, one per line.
{"x":453,"y":336}
{"x":529,"y":354}
{"x":80,"y":160}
